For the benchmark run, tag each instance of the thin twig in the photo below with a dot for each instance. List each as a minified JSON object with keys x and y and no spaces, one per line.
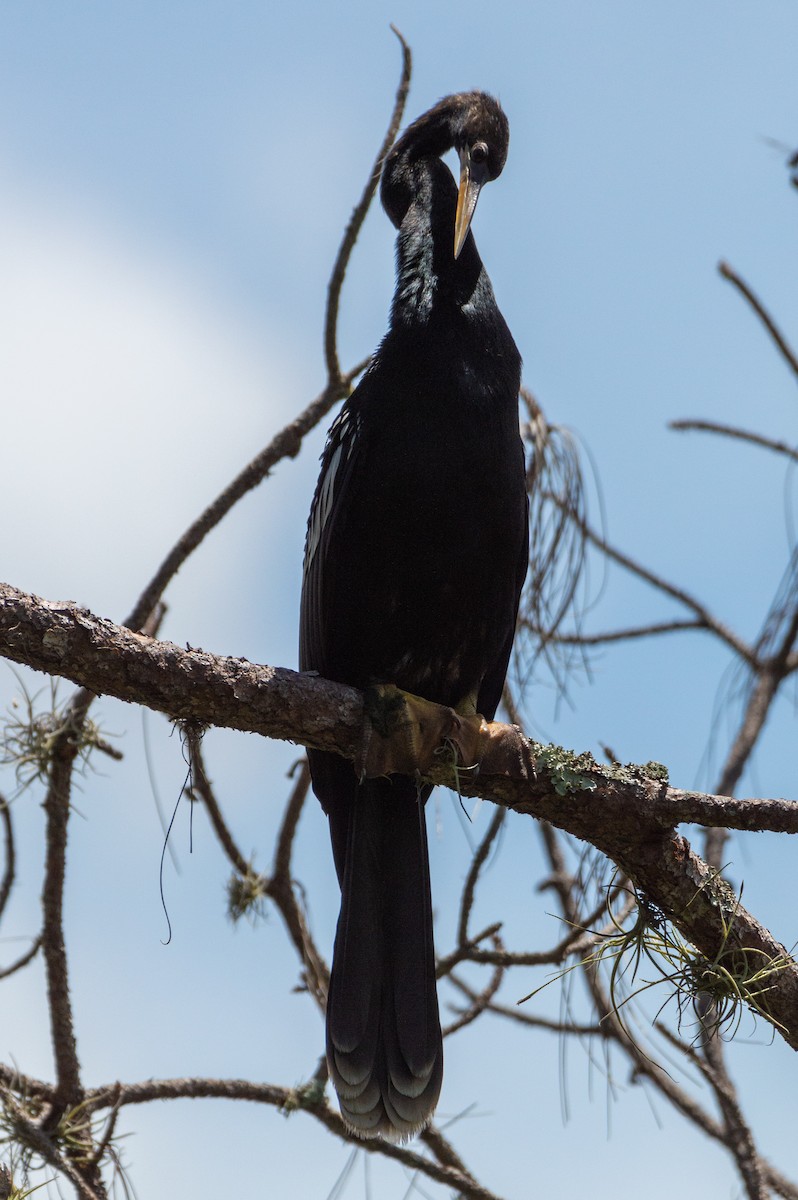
{"x":740,"y":1139}
{"x":286,"y":444}
{"x":29,"y":954}
{"x":282,"y":891}
{"x":441,"y":1147}
{"x":756,"y":304}
{"x":620,"y":635}
{"x":358,"y":216}
{"x":611,"y":1025}
{"x":202,"y":786}
{"x":69,"y":1092}
{"x":110,"y":1130}
{"x":10,"y":868}
{"x":477,"y":863}
{"x":281,"y":868}
{"x":479,"y":1000}
{"x":770,"y":677}
{"x":710,"y":622}
{"x":535,"y":1022}
{"x":463,"y":952}
{"x":776,"y":660}
{"x":288,"y":1100}
{"x":279,"y":888}
{"x":579,"y":941}
{"x":774,"y":1178}
{"x":745,"y":435}
{"x":768,"y":680}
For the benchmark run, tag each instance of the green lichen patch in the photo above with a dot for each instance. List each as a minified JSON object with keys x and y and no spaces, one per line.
{"x":568,"y":772}
{"x":635,"y":772}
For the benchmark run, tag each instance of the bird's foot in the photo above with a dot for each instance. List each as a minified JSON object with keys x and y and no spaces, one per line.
{"x":503,"y":750}
{"x":401,"y":732}
{"x":404,"y":734}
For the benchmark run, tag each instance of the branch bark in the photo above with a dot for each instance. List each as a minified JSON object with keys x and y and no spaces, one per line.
{"x":627,"y":816}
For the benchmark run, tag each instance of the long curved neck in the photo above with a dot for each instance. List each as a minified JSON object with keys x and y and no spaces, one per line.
{"x":427,"y":138}
{"x":420,"y":196}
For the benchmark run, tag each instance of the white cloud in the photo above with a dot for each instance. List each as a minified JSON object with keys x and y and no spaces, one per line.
{"x":129,"y":397}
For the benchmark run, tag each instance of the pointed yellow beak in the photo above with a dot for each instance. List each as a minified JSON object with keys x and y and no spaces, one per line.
{"x":472,"y":177}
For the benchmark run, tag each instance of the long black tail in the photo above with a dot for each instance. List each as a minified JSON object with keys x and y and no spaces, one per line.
{"x":384,"y":1045}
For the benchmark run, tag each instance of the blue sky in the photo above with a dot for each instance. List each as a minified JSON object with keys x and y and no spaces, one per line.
{"x":173,"y":183}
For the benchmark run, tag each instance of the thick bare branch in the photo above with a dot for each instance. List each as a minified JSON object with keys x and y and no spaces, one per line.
{"x":624,"y":814}
{"x":69,"y":641}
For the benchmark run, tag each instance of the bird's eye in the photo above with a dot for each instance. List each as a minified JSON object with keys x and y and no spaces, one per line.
{"x":479,"y":152}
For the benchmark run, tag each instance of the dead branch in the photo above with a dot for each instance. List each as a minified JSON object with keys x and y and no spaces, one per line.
{"x":745,"y":435}
{"x":627,"y":816}
{"x":358,"y":216}
{"x":288,"y":1100}
{"x":787,"y":353}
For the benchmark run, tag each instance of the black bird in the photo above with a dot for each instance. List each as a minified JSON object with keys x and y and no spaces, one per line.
{"x":415,"y":556}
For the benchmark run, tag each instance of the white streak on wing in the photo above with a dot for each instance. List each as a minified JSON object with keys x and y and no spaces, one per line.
{"x":343,"y":434}
{"x":323,"y":506}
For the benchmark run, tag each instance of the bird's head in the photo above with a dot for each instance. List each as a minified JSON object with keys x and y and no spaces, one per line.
{"x":481,"y":135}
{"x":473,"y":124}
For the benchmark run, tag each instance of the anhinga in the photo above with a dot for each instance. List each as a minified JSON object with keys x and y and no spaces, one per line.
{"x":415,"y":557}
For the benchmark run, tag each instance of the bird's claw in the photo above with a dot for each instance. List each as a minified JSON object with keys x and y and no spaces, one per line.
{"x":405,"y":734}
{"x":504,"y":750}
{"x":401,"y":732}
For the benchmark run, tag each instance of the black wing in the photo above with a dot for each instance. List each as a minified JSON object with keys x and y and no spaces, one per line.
{"x":490,"y":693}
{"x":337,"y":466}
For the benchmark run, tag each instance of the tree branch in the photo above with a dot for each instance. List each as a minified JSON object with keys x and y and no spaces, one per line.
{"x":11,"y":859}
{"x":627,"y":816}
{"x":704,"y":617}
{"x":619,"y":635}
{"x":786,"y":351}
{"x":358,"y":216}
{"x":744,"y":435}
{"x":288,"y":1100}
{"x":286,"y":444}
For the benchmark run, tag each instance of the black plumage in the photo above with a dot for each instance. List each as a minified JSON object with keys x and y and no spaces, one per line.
{"x":415,"y":557}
